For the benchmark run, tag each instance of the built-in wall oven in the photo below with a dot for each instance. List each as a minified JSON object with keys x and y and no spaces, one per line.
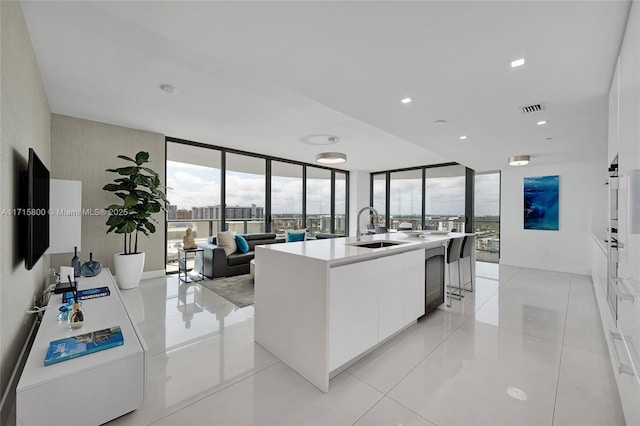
{"x":433,"y":278}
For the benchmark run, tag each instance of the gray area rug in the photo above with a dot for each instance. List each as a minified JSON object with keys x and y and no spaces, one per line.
{"x":237,"y":290}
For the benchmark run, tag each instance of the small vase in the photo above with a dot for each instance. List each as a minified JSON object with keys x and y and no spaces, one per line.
{"x":76,"y":316}
{"x":75,"y":262}
{"x":91,"y":268}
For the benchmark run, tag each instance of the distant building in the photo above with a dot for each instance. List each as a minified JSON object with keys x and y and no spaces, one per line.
{"x":171,"y":211}
{"x":183,"y":214}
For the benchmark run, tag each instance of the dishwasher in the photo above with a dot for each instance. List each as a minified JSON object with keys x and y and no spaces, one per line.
{"x":433,"y":278}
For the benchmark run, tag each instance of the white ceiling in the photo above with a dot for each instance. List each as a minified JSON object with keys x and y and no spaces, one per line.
{"x":258,"y":76}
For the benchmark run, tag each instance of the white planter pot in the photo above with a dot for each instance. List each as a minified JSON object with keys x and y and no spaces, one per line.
{"x":129,"y":269}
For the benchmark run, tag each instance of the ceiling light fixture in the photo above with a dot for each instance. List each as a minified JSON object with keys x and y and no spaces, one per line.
{"x":541,"y":123}
{"x":406,"y":100}
{"x":519,"y":160}
{"x":517,"y":63}
{"x":462,"y":138}
{"x":331,"y":158}
{"x":319,"y":139}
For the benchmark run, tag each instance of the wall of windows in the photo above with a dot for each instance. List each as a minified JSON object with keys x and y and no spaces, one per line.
{"x":213,"y":188}
{"x":430,"y":196}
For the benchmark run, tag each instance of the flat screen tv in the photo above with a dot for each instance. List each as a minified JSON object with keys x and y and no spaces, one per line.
{"x":37,"y":210}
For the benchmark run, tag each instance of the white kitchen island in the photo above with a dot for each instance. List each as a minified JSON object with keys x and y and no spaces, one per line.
{"x":321,"y":305}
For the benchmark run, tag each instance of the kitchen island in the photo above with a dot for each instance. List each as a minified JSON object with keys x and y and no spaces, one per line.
{"x":321,"y":305}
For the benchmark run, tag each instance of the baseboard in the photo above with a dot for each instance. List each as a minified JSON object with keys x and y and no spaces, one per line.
{"x":147,"y":275}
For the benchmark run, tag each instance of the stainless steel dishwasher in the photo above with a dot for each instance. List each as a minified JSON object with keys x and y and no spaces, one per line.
{"x":433,"y":278}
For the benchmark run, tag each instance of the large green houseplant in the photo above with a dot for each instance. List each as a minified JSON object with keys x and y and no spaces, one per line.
{"x":140,"y":191}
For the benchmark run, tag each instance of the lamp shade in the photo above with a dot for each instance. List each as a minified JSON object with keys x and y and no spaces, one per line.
{"x":519,"y":160}
{"x":331,"y":158}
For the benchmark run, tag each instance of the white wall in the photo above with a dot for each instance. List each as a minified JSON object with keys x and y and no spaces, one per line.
{"x":582,"y":200}
{"x":83,"y":150}
{"x":24,"y":123}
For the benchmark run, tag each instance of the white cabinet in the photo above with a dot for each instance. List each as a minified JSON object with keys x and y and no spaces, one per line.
{"x":372,"y":300}
{"x":91,"y":389}
{"x":397,"y":279}
{"x":614,"y":115}
{"x":626,"y":354}
{"x":353,"y":316}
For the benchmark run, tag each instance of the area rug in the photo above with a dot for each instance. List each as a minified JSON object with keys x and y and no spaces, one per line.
{"x":237,"y":290}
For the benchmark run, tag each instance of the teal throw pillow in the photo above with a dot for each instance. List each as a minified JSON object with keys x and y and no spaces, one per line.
{"x":296,"y":236}
{"x":243,"y":245}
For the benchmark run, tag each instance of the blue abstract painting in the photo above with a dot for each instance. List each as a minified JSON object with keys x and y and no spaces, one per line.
{"x":541,"y":203}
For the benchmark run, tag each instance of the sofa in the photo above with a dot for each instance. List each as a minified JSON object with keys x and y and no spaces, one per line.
{"x":218,"y":264}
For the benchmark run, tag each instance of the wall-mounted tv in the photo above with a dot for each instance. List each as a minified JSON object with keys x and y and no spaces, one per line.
{"x":37,"y":210}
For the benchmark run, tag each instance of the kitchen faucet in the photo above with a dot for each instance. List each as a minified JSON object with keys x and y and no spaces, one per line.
{"x":359,"y":213}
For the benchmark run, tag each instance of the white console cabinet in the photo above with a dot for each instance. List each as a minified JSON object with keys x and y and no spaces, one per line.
{"x":91,"y":389}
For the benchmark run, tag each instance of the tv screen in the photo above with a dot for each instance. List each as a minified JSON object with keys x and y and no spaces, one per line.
{"x":37,"y":210}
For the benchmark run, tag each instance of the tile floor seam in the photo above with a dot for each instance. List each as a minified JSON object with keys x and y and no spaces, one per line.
{"x":374,"y":404}
{"x":417,"y":414}
{"x":564,"y":330}
{"x":205,"y":396}
{"x":426,"y":356}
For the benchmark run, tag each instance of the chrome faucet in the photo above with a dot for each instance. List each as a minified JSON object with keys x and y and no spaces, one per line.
{"x":358,"y":233}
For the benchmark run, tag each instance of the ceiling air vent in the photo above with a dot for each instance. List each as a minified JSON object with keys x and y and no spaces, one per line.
{"x":531,"y":108}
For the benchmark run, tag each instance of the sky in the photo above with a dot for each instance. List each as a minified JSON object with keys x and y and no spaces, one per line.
{"x":196,"y":186}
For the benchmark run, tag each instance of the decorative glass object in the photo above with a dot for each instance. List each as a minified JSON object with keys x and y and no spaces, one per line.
{"x":75,"y":263}
{"x":76,"y":316}
{"x":91,"y":268}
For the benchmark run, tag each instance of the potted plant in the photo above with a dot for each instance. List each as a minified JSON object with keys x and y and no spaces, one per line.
{"x":140,"y":191}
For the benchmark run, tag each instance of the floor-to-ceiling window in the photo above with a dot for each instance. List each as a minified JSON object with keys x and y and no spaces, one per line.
{"x":487,"y":216}
{"x":193,"y":191}
{"x":445,"y":197}
{"x":340,"y":203}
{"x":286,"y":196}
{"x":379,"y":196}
{"x":318,"y":200}
{"x":405,"y":200}
{"x":245,"y":184}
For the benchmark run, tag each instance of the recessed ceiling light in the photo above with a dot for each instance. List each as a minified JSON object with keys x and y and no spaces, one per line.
{"x":541,"y":123}
{"x":463,"y":138}
{"x":519,"y":160}
{"x":319,"y":139}
{"x":168,"y":88}
{"x":406,"y":100}
{"x":517,"y":63}
{"x":331,"y":158}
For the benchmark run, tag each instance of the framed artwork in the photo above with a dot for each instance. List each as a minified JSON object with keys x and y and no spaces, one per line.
{"x":541,"y":202}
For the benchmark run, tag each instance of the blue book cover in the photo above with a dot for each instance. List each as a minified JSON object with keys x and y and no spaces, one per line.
{"x":83,"y":344}
{"x":88,"y":293}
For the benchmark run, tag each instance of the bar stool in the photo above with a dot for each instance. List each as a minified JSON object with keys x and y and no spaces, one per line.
{"x":453,"y":255}
{"x":468,"y":245}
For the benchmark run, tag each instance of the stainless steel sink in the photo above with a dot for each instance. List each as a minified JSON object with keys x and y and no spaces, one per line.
{"x":376,"y":244}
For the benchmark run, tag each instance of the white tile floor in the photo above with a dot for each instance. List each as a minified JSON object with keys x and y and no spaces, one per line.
{"x":525,"y":348}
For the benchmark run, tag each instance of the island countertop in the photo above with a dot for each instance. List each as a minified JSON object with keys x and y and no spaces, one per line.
{"x":340,"y":251}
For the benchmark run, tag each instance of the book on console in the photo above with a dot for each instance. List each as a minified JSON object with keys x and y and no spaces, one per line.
{"x":88,"y":293}
{"x":83,"y":344}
